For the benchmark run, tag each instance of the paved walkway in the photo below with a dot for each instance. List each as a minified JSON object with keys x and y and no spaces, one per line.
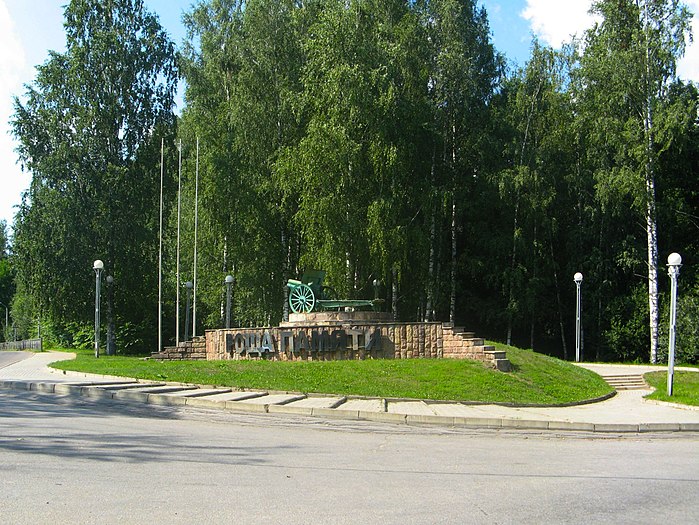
{"x":627,"y":411}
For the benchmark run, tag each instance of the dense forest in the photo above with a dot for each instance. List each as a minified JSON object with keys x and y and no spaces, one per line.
{"x":374,"y":139}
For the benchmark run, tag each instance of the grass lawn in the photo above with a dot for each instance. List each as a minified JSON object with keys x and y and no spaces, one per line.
{"x":685,"y":387}
{"x":536,"y":379}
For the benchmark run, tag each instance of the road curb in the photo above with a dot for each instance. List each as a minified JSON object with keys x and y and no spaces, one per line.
{"x":95,"y":392}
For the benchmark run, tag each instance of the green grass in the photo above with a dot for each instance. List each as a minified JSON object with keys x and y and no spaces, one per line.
{"x":685,"y":387}
{"x":536,"y":379}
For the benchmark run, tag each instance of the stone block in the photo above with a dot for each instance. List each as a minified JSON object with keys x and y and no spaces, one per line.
{"x":478,"y":422}
{"x":202,"y":402}
{"x":503,"y":365}
{"x":21,"y":385}
{"x":48,"y":388}
{"x":532,"y":424}
{"x":423,"y":419}
{"x":68,"y":389}
{"x":659,"y":427}
{"x":241,"y":406}
{"x":166,"y":400}
{"x":383,"y":417}
{"x":621,"y":428}
{"x":95,"y":393}
{"x":336,"y":413}
{"x":126,"y":395}
{"x":571,"y":426}
{"x":290,"y":409}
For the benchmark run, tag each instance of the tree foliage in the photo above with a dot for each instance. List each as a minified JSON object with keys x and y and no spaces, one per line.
{"x":86,"y":130}
{"x":376,"y":140}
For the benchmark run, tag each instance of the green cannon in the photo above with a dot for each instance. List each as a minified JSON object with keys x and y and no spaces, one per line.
{"x":309,"y":294}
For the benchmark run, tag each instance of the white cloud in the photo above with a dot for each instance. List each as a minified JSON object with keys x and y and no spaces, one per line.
{"x":554,"y":22}
{"x":13,"y":71}
{"x":688,"y":67}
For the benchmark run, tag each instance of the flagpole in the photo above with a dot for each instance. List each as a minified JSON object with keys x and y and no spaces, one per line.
{"x":160,"y":253}
{"x":177,"y":271}
{"x":196,"y":226}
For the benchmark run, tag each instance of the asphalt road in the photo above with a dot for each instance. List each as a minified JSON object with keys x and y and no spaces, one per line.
{"x":10,"y":358}
{"x":68,"y":460}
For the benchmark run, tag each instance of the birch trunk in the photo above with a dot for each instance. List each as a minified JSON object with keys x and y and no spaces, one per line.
{"x":430,"y":263}
{"x":652,"y":233}
{"x":286,"y":246}
{"x":651,"y":225}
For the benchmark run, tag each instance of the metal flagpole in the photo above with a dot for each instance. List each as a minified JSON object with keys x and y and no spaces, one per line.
{"x":196,"y":225}
{"x":177,"y":271}
{"x":160,"y":254}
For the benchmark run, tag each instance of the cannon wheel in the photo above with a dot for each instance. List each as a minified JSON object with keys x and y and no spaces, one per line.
{"x":302,"y":299}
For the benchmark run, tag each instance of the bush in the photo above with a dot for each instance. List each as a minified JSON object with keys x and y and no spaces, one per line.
{"x":627,"y":337}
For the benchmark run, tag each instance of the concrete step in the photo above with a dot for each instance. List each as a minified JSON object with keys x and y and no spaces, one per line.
{"x":495,"y":354}
{"x":626,"y":381}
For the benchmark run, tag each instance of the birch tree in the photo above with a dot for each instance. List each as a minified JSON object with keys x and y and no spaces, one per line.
{"x":628,"y":62}
{"x":86,"y":129}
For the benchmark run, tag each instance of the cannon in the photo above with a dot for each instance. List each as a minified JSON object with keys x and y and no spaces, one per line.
{"x":309,"y":294}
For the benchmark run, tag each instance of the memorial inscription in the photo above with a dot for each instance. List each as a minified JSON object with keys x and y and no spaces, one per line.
{"x":294,"y":342}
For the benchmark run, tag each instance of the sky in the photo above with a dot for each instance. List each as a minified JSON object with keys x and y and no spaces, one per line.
{"x":30,"y":28}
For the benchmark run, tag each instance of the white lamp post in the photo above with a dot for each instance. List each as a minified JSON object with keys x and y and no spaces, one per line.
{"x":98,"y":266}
{"x":578,"y":277}
{"x":229,"y":284}
{"x":674,"y":262}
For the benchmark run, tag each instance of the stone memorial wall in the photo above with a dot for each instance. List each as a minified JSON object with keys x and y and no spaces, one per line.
{"x":323,"y":337}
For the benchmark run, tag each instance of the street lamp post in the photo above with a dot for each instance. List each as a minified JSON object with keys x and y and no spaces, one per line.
{"x":188,"y":285}
{"x":229,"y":285}
{"x":98,"y":266}
{"x":674,"y":262}
{"x":578,"y":277}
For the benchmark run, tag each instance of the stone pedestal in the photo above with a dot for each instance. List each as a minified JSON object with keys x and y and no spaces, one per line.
{"x":337,"y":318}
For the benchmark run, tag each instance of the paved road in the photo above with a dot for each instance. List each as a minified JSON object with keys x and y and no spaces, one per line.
{"x":10,"y":358}
{"x":66,"y":459}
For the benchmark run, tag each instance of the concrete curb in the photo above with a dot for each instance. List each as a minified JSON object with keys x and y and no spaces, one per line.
{"x":98,"y":391}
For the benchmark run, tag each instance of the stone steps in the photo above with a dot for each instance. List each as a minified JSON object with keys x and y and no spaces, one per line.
{"x":626,"y":381}
{"x":461,"y":344}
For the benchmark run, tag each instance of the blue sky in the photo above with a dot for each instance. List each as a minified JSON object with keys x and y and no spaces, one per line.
{"x":30,"y":28}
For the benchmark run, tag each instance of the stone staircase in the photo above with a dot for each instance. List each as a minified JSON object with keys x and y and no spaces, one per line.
{"x":626,"y":381}
{"x":194,"y":350}
{"x":458,"y":343}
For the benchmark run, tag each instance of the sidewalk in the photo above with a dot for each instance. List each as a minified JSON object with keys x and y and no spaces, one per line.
{"x":627,"y":411}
